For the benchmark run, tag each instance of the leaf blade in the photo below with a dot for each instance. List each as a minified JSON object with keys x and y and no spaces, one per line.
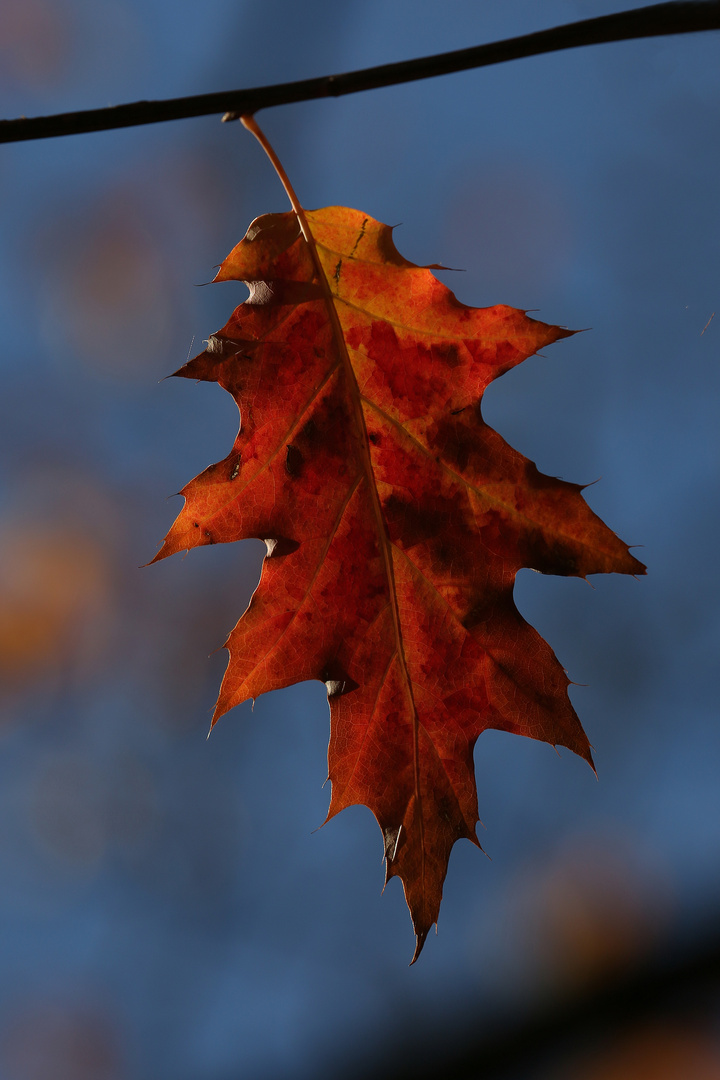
{"x":396,"y":520}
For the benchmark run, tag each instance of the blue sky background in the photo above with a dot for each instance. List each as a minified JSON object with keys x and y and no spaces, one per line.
{"x":166,"y":910}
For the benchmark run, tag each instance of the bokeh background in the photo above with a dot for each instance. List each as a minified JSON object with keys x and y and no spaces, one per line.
{"x":167,"y":911}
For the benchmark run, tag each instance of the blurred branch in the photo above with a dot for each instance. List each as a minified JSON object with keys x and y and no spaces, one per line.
{"x":678,"y":17}
{"x":665,"y":986}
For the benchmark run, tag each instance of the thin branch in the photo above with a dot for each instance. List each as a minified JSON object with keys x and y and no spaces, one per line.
{"x":678,"y":17}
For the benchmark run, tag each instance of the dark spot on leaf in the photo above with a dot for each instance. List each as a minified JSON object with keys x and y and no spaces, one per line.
{"x":461,"y":442}
{"x":482,"y":611}
{"x":449,"y":354}
{"x":444,"y":554}
{"x":412,"y":523}
{"x":293,"y":460}
{"x":309,"y":433}
{"x":375,"y":438}
{"x":457,"y":450}
{"x":549,"y":558}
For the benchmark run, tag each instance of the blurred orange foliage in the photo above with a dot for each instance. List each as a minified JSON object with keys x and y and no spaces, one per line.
{"x":53,"y":581}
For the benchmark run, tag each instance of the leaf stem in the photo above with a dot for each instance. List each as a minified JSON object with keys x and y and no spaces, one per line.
{"x":248,"y":121}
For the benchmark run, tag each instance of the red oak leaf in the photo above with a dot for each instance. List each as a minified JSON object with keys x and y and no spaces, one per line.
{"x":395,"y":521}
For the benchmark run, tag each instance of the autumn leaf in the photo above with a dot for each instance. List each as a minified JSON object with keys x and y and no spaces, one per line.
{"x":395,"y":522}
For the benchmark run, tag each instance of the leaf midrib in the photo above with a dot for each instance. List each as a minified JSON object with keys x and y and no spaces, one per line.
{"x":380,"y":529}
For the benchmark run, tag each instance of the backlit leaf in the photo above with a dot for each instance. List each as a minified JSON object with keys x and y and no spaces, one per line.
{"x":395,"y":521}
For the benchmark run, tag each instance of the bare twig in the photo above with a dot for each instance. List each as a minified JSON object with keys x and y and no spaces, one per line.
{"x":679,"y":17}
